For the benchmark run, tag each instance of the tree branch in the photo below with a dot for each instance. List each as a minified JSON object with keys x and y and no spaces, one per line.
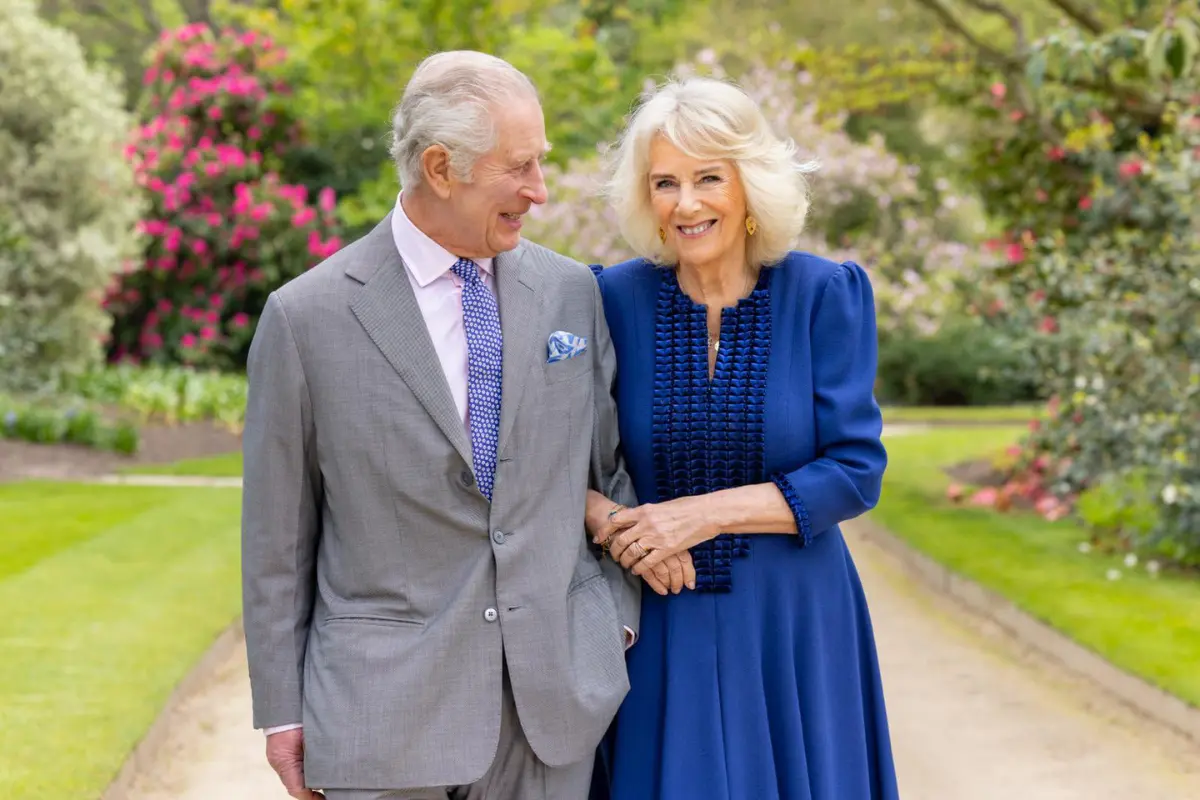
{"x":1001,"y":10}
{"x":956,"y":26}
{"x":1080,"y":14}
{"x":151,"y":18}
{"x":97,"y":9}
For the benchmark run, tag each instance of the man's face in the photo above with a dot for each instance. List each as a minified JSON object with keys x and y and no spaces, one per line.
{"x":505,"y":183}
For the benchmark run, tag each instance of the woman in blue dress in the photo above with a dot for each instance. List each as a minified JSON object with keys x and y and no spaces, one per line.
{"x":745,"y":376}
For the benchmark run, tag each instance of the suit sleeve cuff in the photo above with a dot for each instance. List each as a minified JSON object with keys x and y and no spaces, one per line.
{"x":281,"y":728}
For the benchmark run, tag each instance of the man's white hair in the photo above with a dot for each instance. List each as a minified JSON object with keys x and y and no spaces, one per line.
{"x":450,"y":101}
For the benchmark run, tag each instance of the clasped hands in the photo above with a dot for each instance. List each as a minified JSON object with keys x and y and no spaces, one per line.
{"x":652,"y":540}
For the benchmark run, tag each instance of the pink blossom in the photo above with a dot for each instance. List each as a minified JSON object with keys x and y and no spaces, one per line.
{"x":213,"y":219}
{"x":303,"y":217}
{"x":1056,"y":153}
{"x":1015,"y":253}
{"x":326,"y":199}
{"x":216,"y":301}
{"x":188,"y":341}
{"x":215,"y":112}
{"x":150,"y":76}
{"x":985,"y":497}
{"x":1048,"y":325}
{"x":1085,"y":203}
{"x":173,"y":239}
{"x":212,"y":170}
{"x":241,"y":319}
{"x":260,"y":212}
{"x":199,"y":247}
{"x":999,"y":90}
{"x":1131,"y":168}
{"x":207,"y":333}
{"x":253,"y":133}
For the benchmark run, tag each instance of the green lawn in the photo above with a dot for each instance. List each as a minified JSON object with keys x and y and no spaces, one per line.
{"x":1148,"y":626}
{"x":1017,"y":414}
{"x":110,"y":595}
{"x":228,"y":465}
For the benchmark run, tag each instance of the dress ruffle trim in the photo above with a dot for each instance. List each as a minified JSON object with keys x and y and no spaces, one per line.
{"x":708,"y":435}
{"x":799,"y":511}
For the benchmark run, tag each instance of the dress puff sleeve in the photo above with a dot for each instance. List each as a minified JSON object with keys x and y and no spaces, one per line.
{"x":845,"y":478}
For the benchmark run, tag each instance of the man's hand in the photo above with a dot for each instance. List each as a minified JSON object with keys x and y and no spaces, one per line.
{"x":285,"y":754}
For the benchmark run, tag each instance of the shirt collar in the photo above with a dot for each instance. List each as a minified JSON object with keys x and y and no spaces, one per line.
{"x":425,"y":259}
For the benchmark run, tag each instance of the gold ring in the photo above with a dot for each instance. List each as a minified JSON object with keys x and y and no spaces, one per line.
{"x":641,"y":551}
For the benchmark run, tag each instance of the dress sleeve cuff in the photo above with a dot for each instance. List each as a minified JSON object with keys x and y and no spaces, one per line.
{"x":799,"y":511}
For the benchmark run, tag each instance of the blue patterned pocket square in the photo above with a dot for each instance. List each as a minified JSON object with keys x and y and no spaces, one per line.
{"x":563,"y":345}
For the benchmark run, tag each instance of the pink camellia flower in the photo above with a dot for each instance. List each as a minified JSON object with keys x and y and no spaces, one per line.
{"x":216,"y":301}
{"x":215,"y":112}
{"x":241,"y":319}
{"x":212,"y":170}
{"x":303,"y":217}
{"x":188,"y":341}
{"x":253,"y":133}
{"x":1131,"y":168}
{"x":207,"y":334}
{"x":986,"y":496}
{"x":326,"y":200}
{"x":199,"y":247}
{"x":260,"y":212}
{"x":1015,"y":253}
{"x":213,"y":219}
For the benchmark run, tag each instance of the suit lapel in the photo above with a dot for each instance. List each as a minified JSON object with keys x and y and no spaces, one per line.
{"x":520,"y":322}
{"x":388,"y":311}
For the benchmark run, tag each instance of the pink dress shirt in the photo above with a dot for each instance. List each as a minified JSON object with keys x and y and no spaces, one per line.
{"x":439,"y":294}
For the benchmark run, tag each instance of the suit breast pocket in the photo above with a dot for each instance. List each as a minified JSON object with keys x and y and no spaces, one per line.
{"x":568,"y":369}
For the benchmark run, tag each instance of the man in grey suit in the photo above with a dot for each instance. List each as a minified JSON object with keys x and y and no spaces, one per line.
{"x":424,"y":615}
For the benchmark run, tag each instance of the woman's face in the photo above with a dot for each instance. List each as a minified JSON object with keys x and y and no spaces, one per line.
{"x":701,"y":205}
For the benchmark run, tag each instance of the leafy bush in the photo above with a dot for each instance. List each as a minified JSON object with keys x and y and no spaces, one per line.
{"x":962,"y":363}
{"x":224,"y":230}
{"x":166,"y":394}
{"x":68,"y":202}
{"x":1098,"y":186}
{"x":65,"y":423}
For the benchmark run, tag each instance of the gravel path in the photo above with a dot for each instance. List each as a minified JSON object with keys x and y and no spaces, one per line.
{"x":973,"y":716}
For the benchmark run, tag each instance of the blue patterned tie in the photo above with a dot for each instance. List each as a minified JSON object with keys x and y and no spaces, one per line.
{"x":485,"y":346}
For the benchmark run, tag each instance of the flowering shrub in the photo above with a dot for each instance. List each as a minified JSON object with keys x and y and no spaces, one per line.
{"x":866,"y":206}
{"x":68,"y":202}
{"x":1100,"y":195}
{"x":224,"y":229}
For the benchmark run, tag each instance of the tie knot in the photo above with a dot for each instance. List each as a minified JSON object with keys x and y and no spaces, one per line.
{"x":467,"y":270}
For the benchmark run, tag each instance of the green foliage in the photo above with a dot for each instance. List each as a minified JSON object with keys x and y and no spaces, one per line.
{"x":351,"y":58}
{"x":64,"y":422}
{"x":68,"y":203}
{"x":961,"y":363}
{"x":166,"y":394}
{"x":1089,"y":159}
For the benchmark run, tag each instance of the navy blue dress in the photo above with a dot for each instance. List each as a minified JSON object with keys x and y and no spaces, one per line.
{"x":763,"y":683}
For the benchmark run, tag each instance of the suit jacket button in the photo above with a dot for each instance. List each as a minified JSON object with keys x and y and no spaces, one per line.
{"x":467,"y":478}
{"x":498,"y":537}
{"x":491,"y":615}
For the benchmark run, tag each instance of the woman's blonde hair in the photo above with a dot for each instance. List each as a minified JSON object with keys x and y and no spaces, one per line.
{"x":708,"y":118}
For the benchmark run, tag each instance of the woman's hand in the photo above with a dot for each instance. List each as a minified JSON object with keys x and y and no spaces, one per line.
{"x":668,"y":577}
{"x":652,"y":533}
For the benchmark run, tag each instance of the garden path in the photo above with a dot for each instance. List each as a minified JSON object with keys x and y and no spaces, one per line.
{"x":974,"y":716}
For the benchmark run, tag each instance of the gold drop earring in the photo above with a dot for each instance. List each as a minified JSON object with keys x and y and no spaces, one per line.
{"x":662,"y":236}
{"x":751,"y":226}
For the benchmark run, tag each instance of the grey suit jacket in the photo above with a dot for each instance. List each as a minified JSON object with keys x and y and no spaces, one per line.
{"x":382,"y":592}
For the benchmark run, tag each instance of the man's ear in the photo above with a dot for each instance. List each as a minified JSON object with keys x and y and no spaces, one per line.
{"x":435,"y":169}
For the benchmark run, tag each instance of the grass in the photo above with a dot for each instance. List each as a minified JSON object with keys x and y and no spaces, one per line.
{"x":228,"y":465}
{"x":1015,"y":414}
{"x":1143,"y":624}
{"x":112,"y":594}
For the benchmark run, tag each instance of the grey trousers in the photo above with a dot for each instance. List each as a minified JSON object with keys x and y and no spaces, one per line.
{"x":516,"y":774}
